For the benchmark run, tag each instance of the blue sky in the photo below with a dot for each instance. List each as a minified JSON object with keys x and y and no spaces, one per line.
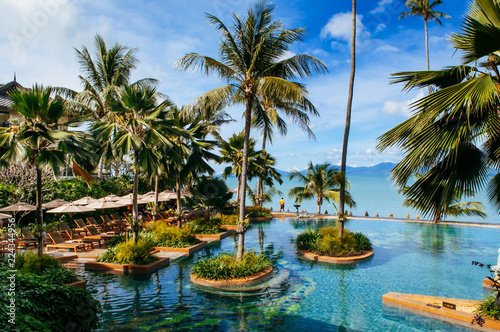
{"x":39,"y":37}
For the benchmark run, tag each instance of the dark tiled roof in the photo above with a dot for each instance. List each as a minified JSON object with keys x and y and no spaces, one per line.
{"x":5,"y":101}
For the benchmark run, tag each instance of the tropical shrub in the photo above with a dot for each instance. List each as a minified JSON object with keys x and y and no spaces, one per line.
{"x":256,"y":212}
{"x":229,"y":219}
{"x":489,"y":308}
{"x":164,"y":235}
{"x":226,"y":266}
{"x":326,"y":242}
{"x":46,"y":267}
{"x":114,"y":241}
{"x":41,"y":306}
{"x":203,"y":226}
{"x":129,"y":253}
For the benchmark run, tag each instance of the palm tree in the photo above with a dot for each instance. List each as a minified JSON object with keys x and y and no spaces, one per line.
{"x":453,"y":139}
{"x":259,"y":163}
{"x":343,"y":161}
{"x":137,"y":128}
{"x":251,"y":61}
{"x":434,"y":204}
{"x":39,"y":141}
{"x":102,"y":77}
{"x":425,"y":8}
{"x":190,"y":153}
{"x":321,"y":181}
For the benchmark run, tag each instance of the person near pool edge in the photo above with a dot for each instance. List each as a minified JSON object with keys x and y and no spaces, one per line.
{"x":282,"y":205}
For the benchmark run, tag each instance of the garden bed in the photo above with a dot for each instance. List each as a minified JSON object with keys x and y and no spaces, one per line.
{"x":128,"y":268}
{"x":79,"y":283}
{"x":233,"y":284}
{"x":186,"y":250}
{"x":334,"y":260}
{"x":213,"y":237}
{"x":432,"y":306}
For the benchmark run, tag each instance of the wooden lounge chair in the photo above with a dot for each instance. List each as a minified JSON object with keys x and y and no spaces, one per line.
{"x":122,"y":226}
{"x":28,"y":237}
{"x":116,"y":216}
{"x":93,"y":222}
{"x":80,"y":225}
{"x":60,"y":243}
{"x":102,"y":236}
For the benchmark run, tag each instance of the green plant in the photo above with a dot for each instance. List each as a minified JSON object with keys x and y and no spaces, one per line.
{"x":129,"y":252}
{"x":203,"y":226}
{"x":34,"y":263}
{"x":489,"y":308}
{"x":48,"y":307}
{"x":229,"y":219}
{"x":308,"y":240}
{"x":173,"y":237}
{"x":327,"y":242}
{"x":115,"y":241}
{"x":59,"y":275}
{"x":363,"y":243}
{"x":226,"y":266}
{"x":256,"y":212}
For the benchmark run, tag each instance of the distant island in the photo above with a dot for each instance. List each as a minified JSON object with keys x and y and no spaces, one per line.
{"x":379,"y":169}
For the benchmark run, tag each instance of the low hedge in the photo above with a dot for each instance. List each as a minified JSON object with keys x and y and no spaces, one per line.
{"x":163,"y":235}
{"x":129,"y":253}
{"x":46,"y":267}
{"x":225,"y":266}
{"x":203,"y":226}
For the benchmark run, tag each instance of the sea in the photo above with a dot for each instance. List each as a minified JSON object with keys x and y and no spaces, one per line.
{"x":373,"y":193}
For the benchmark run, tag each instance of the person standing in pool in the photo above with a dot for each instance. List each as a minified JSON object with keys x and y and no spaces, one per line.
{"x":282,"y":205}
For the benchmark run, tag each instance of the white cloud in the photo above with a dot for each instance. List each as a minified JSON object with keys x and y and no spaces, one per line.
{"x":381,"y":6}
{"x":392,"y":107}
{"x":380,"y":27}
{"x":387,"y":48}
{"x":340,"y":27}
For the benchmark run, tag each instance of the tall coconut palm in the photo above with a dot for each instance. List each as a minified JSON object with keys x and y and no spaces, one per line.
{"x":39,"y":141}
{"x":347,"y":128}
{"x":137,"y":127}
{"x":321,"y":181}
{"x":453,"y":139}
{"x":425,"y":9}
{"x":251,"y":60}
{"x":102,"y":75}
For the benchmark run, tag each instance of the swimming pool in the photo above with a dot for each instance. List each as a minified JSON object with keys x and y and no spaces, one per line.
{"x":409,"y":258}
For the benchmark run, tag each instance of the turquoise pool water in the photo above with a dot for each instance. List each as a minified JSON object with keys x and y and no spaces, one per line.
{"x":409,"y":258}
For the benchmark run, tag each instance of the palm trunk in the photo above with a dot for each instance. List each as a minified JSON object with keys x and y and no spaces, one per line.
{"x":260,"y":188}
{"x":427,"y":51}
{"x":239,"y":189}
{"x":157,"y":184}
{"x":39,"y":212}
{"x":100,"y":168}
{"x":178,"y":192}
{"x":243,"y":187}
{"x":135,"y":207}
{"x":319,"y":201}
{"x":347,"y":122}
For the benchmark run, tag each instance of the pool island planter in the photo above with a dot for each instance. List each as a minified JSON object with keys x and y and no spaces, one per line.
{"x":79,"y":283}
{"x":214,"y":237}
{"x":187,"y":250}
{"x":127,"y":268}
{"x":333,"y":260}
{"x":233,"y":284}
{"x":418,"y":304}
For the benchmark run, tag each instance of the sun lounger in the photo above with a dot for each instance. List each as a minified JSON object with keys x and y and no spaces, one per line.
{"x":80,"y":225}
{"x":93,"y":222}
{"x":60,"y":243}
{"x":93,"y":232}
{"x":116,"y":216}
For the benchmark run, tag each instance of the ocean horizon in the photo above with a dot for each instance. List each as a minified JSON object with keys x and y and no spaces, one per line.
{"x":373,"y":193}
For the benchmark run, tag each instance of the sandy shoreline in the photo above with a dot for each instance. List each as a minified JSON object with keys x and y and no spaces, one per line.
{"x":422,"y":221}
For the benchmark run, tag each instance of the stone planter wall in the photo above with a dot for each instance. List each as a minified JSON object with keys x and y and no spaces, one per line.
{"x":187,"y":250}
{"x":333,"y":260}
{"x":213,"y":237}
{"x":79,"y":283}
{"x":127,"y":268}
